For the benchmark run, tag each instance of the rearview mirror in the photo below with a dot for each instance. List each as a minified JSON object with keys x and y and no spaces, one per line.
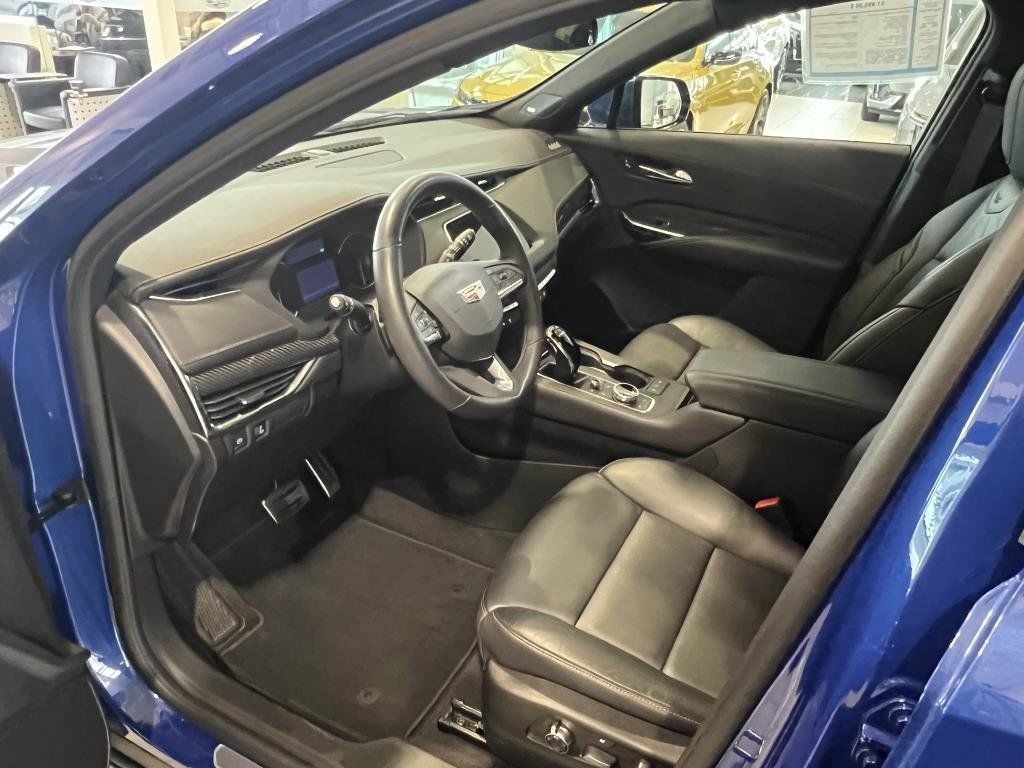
{"x":573,"y":37}
{"x":655,"y":102}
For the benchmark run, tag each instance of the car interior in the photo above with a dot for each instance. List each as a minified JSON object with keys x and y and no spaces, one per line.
{"x":501,"y":436}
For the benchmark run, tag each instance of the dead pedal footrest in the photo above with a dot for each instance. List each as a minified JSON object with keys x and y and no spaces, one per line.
{"x":465,"y":721}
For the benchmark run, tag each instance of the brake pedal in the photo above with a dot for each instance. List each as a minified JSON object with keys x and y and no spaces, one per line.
{"x":465,"y":721}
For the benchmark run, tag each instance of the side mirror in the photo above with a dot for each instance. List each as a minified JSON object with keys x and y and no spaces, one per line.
{"x":723,"y":58}
{"x":655,"y":102}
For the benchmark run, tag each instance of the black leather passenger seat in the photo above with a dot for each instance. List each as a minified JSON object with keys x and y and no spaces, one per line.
{"x":893,"y":310}
{"x":623,"y":609}
{"x":640,"y":586}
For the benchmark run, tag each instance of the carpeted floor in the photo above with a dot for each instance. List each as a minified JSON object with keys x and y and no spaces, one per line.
{"x":368,"y":630}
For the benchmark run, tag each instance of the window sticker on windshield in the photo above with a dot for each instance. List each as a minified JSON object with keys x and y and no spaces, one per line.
{"x":869,"y":41}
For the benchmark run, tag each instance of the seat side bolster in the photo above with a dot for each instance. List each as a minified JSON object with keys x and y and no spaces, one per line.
{"x":543,"y":646}
{"x":698,"y":504}
{"x":894,"y":342}
{"x":715,"y":333}
{"x":879,"y":288}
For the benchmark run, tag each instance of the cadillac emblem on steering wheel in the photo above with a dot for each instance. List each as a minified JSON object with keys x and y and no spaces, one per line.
{"x":473,"y":292}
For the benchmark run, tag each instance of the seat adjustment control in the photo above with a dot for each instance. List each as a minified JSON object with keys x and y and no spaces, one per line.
{"x":559,"y":738}
{"x":598,"y":758}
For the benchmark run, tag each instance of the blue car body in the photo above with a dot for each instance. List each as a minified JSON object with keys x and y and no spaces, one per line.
{"x":946,"y":542}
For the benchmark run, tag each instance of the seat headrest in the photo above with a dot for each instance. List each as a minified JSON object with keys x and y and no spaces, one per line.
{"x":18,"y":58}
{"x":103,"y":70}
{"x":1013,"y":126}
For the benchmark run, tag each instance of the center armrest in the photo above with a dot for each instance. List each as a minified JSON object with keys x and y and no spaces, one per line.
{"x":795,"y":392}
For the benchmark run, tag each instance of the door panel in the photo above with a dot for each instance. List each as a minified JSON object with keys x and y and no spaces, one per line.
{"x":763,"y":236}
{"x":49,"y":714}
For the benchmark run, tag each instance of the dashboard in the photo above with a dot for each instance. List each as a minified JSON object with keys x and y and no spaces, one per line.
{"x":217,"y":334}
{"x":232,"y":293}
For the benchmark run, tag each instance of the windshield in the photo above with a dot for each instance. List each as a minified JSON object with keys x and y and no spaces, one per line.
{"x":503,"y":74}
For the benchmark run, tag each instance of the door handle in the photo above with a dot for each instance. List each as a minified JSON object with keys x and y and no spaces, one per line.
{"x":674,"y":176}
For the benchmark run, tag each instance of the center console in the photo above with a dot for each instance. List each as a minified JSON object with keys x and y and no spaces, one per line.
{"x":719,"y":390}
{"x":763,"y":424}
{"x":602,"y":379}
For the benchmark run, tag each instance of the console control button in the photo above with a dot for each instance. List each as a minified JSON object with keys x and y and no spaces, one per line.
{"x":626,"y":394}
{"x":657,"y":386}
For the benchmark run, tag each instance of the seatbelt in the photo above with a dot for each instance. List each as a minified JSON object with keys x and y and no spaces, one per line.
{"x":983,"y":135}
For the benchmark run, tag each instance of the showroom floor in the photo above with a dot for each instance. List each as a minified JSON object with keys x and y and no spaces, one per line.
{"x":824,"y":112}
{"x":809,"y":118}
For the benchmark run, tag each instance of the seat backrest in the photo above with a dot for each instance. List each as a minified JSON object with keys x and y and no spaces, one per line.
{"x":103,"y":70}
{"x":890,"y":314}
{"x":18,"y":58}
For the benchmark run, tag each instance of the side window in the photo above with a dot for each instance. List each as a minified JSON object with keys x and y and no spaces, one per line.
{"x":847,"y":72}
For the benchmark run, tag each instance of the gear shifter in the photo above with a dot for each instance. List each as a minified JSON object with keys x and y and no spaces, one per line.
{"x":565,"y":354}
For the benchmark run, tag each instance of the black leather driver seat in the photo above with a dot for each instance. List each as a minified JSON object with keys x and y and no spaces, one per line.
{"x":638,"y":587}
{"x":892,"y":311}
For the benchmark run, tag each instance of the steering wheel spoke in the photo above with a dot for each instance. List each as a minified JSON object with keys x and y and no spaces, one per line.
{"x":487,"y":378}
{"x":428,"y":328}
{"x":508,"y":278}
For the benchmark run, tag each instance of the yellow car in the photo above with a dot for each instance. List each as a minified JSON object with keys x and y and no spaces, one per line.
{"x":728,"y":80}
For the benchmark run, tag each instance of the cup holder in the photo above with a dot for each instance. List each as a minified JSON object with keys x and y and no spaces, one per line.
{"x":627,"y":374}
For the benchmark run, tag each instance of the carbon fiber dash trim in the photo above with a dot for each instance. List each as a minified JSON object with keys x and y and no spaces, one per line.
{"x":254,"y":366}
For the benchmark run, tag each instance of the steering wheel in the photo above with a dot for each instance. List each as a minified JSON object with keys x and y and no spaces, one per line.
{"x":444,"y":321}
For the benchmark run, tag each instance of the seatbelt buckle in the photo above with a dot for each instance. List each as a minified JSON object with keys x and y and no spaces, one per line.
{"x":775,"y":510}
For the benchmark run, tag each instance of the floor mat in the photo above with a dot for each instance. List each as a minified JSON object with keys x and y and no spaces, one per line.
{"x":365,"y":632}
{"x":397,"y":513}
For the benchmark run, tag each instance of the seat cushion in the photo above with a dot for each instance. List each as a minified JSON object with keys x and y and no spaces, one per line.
{"x":46,"y":118}
{"x":666,"y":349}
{"x":639,"y":586}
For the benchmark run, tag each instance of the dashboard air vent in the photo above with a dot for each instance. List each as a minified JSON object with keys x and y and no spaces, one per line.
{"x":439,"y":203}
{"x":349,"y":146}
{"x":579,"y":202}
{"x":243,"y":398}
{"x":281,"y":161}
